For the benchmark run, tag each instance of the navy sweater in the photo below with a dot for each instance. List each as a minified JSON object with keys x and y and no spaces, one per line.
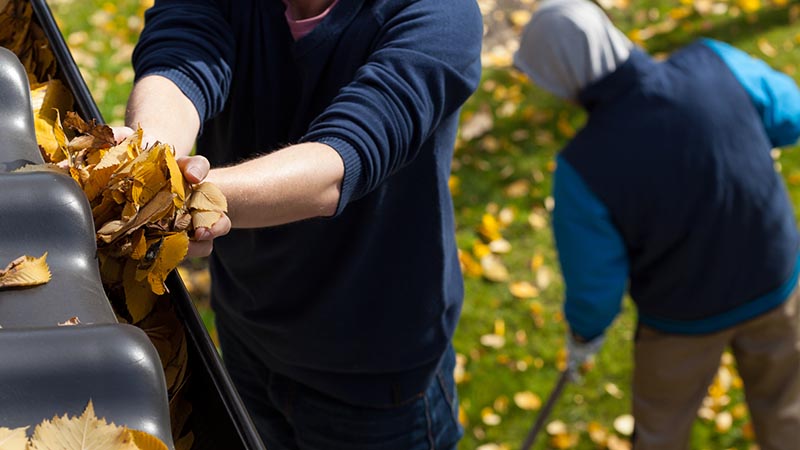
{"x":361,"y":305}
{"x":670,"y":187}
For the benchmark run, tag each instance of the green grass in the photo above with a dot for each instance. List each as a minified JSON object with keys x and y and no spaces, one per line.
{"x":529,"y":128}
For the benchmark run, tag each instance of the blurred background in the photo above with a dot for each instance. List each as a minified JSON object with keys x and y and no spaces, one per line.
{"x":510,"y":338}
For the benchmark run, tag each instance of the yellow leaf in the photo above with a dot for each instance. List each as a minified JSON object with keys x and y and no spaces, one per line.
{"x":148,"y":177}
{"x":139,"y":298}
{"x":766,"y":48}
{"x":46,"y":99}
{"x":206,"y":219}
{"x":527,"y":401}
{"x":520,"y":17}
{"x":564,"y":126}
{"x":494,"y":269}
{"x":489,"y":417}
{"x":96,"y":182}
{"x":171,"y":253}
{"x":500,"y":327}
{"x":564,"y":441}
{"x":493,"y":341}
{"x":613,"y":390}
{"x":489,"y":228}
{"x":113,"y":157}
{"x":153,"y":211}
{"x":139,"y":245}
{"x":624,"y":424}
{"x":597,"y":433}
{"x":523,"y":289}
{"x":616,"y":443}
{"x":61,"y":141}
{"x":480,"y":250}
{"x":454,"y":183}
{"x":556,"y":427}
{"x":500,"y":246}
{"x":175,"y":177}
{"x":25,"y":271}
{"x":86,"y":432}
{"x":13,"y":439}
{"x":723,"y":422}
{"x":207,"y":197}
{"x":750,"y":6}
{"x":146,"y":441}
{"x":469,"y":266}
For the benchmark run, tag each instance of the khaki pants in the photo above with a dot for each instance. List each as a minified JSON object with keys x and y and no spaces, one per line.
{"x":672,"y":374}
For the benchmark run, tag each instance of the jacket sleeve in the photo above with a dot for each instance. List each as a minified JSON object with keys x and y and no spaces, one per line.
{"x":190,"y":43}
{"x":592,"y":254}
{"x":775,"y":94}
{"x":425,"y":64}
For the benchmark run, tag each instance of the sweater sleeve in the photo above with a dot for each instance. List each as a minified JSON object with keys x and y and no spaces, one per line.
{"x":190,"y":43}
{"x":425,"y":64}
{"x":775,"y":94}
{"x":592,"y":254}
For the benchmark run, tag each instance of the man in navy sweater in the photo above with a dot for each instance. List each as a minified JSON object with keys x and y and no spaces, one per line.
{"x":329,"y":126}
{"x":670,"y":191}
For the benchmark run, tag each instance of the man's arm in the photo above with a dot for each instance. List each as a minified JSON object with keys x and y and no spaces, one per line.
{"x":774,"y":94}
{"x":295,"y":183}
{"x":415,"y":78}
{"x":592,"y":254}
{"x":172,"y":119}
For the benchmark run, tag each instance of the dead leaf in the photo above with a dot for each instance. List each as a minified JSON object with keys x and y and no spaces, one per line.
{"x":13,"y":439}
{"x":527,"y":401}
{"x":207,"y":197}
{"x":25,"y":271}
{"x":72,"y":321}
{"x":478,"y":124}
{"x":205,"y":219}
{"x":494,"y":269}
{"x":172,"y":251}
{"x":86,"y":432}
{"x":493,"y":341}
{"x":624,"y":424}
{"x":523,"y":289}
{"x":146,"y":441}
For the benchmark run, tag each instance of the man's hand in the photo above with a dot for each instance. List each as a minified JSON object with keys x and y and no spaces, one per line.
{"x":195,"y":169}
{"x":579,"y":352}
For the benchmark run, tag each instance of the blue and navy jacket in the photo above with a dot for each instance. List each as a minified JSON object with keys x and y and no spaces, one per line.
{"x":362,"y":305}
{"x":670,"y":191}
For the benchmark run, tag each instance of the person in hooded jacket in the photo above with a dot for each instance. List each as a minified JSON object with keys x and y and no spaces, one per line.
{"x":670,"y":193}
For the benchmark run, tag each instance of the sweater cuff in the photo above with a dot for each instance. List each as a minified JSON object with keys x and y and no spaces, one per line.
{"x":352,"y":169}
{"x":189,"y":88}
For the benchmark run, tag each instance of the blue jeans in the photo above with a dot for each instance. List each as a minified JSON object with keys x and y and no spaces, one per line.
{"x":292,"y":416}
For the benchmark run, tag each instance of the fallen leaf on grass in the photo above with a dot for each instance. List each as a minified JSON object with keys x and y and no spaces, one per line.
{"x":523,"y":290}
{"x":624,"y":424}
{"x":494,"y":269}
{"x":527,"y":401}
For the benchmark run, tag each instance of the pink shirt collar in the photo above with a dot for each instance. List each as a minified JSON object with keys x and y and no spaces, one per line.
{"x":302,"y":27}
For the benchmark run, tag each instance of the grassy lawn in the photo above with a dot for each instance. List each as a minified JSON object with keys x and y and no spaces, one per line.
{"x":511,"y":334}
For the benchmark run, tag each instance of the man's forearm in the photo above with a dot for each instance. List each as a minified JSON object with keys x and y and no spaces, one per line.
{"x":164,"y":113}
{"x":298,"y":182}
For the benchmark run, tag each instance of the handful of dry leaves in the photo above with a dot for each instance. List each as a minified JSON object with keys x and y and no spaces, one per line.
{"x":143,"y":208}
